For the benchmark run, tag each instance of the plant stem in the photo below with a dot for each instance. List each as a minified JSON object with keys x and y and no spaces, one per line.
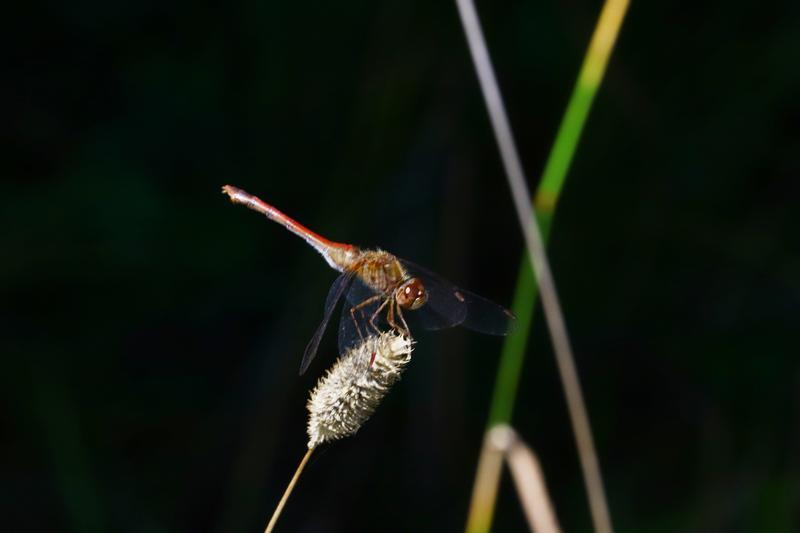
{"x":528,"y":479}
{"x":484,"y":490}
{"x":561,"y":155}
{"x":288,"y":492}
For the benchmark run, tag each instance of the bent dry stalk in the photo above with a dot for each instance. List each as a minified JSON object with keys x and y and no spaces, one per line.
{"x":347,"y":395}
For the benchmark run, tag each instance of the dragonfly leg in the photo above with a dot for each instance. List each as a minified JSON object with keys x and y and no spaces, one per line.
{"x":375,"y":315}
{"x":358,"y":308}
{"x":402,"y":319}
{"x":390,"y":316}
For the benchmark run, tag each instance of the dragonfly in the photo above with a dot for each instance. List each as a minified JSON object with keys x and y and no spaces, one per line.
{"x":380,"y":288}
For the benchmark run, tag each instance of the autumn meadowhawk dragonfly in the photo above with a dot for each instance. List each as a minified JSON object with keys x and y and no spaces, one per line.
{"x":380,"y":287}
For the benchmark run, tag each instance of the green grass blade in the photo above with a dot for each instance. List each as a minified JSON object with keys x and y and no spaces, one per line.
{"x":527,"y":291}
{"x":545,"y":203}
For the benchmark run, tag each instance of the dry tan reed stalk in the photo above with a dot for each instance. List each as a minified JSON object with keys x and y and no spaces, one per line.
{"x":289,"y":488}
{"x":528,"y":478}
{"x":502,"y":442}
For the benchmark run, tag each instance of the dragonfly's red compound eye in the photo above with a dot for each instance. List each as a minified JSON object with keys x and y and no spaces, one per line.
{"x":412,"y":294}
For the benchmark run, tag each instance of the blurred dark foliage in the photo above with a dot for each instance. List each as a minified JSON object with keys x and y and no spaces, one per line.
{"x":151,"y":331}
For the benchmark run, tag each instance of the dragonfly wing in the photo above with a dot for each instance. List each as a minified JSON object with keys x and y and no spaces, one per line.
{"x":362,"y":304}
{"x":334,"y":295}
{"x":449,"y":306}
{"x":443,"y":309}
{"x":485,"y":316}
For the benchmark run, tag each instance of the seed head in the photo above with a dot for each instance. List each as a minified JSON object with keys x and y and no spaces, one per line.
{"x":351,"y":390}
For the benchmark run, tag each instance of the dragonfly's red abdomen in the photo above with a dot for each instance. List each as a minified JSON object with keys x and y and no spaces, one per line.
{"x":338,"y":255}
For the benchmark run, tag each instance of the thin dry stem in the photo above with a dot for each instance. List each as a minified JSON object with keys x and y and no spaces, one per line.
{"x":484,"y":493}
{"x":288,"y":492}
{"x":529,"y":480}
{"x":502,"y":442}
{"x":538,"y":257}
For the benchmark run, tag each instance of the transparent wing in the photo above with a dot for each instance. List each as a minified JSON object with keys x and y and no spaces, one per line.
{"x":334,"y":295}
{"x":443,"y":308}
{"x":361,"y":305}
{"x":449,"y":305}
{"x":485,"y":316}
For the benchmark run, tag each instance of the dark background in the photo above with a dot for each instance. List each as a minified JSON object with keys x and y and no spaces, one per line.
{"x":151,"y":332}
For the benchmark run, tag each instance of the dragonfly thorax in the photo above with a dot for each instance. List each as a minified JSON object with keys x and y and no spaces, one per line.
{"x":384,"y":274}
{"x":381,"y":272}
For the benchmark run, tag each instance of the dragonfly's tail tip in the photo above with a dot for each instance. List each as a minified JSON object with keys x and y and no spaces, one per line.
{"x":230,"y":190}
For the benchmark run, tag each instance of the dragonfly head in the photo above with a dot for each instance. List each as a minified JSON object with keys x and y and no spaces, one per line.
{"x":411,"y":294}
